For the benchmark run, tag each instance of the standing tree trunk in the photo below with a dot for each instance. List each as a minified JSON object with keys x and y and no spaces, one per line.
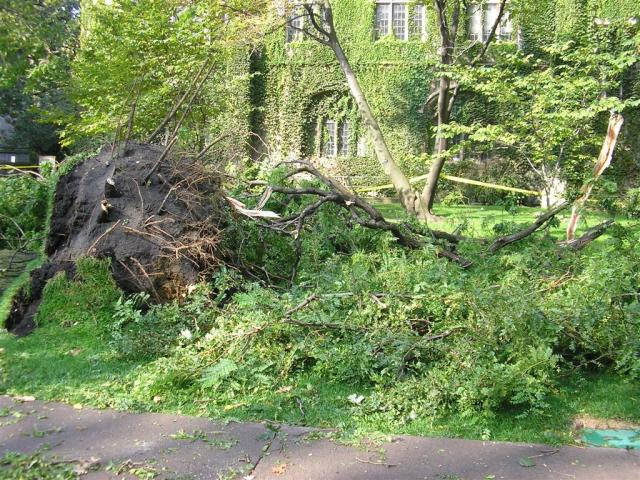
{"x":410,"y":200}
{"x":325,"y":33}
{"x":448,"y":28}
{"x":444,"y":114}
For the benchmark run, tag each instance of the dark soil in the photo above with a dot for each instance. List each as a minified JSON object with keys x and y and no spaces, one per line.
{"x":161,"y":236}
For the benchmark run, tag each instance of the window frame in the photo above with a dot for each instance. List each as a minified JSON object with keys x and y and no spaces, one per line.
{"x":332,"y":139}
{"x":485,"y":29}
{"x":296,"y":34}
{"x":410,"y":10}
{"x":344,"y":137}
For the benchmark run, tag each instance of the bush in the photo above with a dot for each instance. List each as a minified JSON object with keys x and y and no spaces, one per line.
{"x":631,"y":203}
{"x":88,"y":297}
{"x":23,"y":206}
{"x":150,"y":334}
{"x":415,"y":333}
{"x":437,"y":341}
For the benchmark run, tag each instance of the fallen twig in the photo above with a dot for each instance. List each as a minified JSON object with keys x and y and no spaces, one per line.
{"x":370,"y":462}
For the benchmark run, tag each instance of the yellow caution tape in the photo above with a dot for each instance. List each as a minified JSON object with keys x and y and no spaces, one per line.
{"x":11,"y":167}
{"x":453,"y":179}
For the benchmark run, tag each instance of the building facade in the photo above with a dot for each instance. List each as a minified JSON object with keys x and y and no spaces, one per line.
{"x":303,"y":105}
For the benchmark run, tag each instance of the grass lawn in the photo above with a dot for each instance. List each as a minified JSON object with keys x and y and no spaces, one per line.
{"x":69,"y":358}
{"x":76,"y":365}
{"x":480,"y":219}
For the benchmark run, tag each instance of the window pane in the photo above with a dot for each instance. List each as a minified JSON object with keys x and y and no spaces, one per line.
{"x":475,"y":22}
{"x":363,"y":146}
{"x":490,"y":17}
{"x":296,"y":21}
{"x":344,"y":139}
{"x":330,"y":148}
{"x":418,"y":21}
{"x":382,"y":19}
{"x":400,"y":20}
{"x":506,"y":29}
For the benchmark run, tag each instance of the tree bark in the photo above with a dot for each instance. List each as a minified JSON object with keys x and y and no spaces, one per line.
{"x":430,"y":189}
{"x":408,"y":197}
{"x":604,"y":160}
{"x":591,"y":235}
{"x":509,"y":239}
{"x":326,"y":34}
{"x":446,"y":100}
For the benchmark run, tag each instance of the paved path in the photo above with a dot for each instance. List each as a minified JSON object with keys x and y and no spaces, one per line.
{"x":179,"y":447}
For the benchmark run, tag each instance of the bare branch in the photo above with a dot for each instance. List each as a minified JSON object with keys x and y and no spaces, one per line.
{"x":589,"y":236}
{"x":543,"y":219}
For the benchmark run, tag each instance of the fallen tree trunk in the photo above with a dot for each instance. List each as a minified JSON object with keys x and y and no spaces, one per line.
{"x":361,"y":212}
{"x":514,"y":237}
{"x":591,"y":234}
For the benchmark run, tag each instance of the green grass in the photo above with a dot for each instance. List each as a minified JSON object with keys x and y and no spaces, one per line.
{"x":480,"y":219}
{"x":76,"y":365}
{"x":16,"y":466}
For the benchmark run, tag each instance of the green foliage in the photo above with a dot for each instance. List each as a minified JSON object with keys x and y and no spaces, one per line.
{"x":433,"y":341}
{"x":149,"y":54}
{"x":23,"y":201}
{"x":428,"y":347}
{"x":16,"y":466}
{"x":37,"y":43}
{"x":26,"y":203}
{"x":87,"y":298}
{"x":548,"y":112}
{"x":630,"y":203}
{"x":155,"y":332}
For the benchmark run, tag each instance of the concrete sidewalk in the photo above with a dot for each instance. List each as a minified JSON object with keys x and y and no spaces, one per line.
{"x":173,"y":446}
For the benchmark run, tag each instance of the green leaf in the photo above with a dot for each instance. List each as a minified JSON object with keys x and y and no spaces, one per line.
{"x":214,"y":375}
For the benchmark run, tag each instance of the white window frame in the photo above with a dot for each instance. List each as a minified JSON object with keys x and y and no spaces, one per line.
{"x":330,"y":148}
{"x":482,"y":9}
{"x":344,"y":136}
{"x":409,"y":15}
{"x":296,"y":34}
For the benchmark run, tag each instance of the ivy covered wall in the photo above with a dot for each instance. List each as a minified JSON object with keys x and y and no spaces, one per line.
{"x":301,"y":84}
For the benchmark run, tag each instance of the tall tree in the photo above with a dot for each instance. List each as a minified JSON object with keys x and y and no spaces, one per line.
{"x":37,"y":42}
{"x":323,"y":31}
{"x":152,"y":54}
{"x":449,"y":14}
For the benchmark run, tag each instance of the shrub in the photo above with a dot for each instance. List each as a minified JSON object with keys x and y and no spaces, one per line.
{"x":23,"y":201}
{"x":88,"y":297}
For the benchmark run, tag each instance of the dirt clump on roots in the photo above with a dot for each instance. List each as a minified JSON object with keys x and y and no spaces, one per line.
{"x":162,"y":234}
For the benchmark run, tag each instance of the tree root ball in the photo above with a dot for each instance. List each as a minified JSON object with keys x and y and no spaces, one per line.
{"x":161,"y":236}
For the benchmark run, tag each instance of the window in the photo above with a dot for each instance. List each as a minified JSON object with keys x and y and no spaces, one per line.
{"x":475,"y":22}
{"x":392,"y":17}
{"x":13,"y":159}
{"x":344,"y":138}
{"x":331,"y":147}
{"x":418,"y":28}
{"x":363,"y":146}
{"x":382,"y":19}
{"x":400,"y":21}
{"x":483,"y":17}
{"x":295,"y":26}
{"x":338,"y":136}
